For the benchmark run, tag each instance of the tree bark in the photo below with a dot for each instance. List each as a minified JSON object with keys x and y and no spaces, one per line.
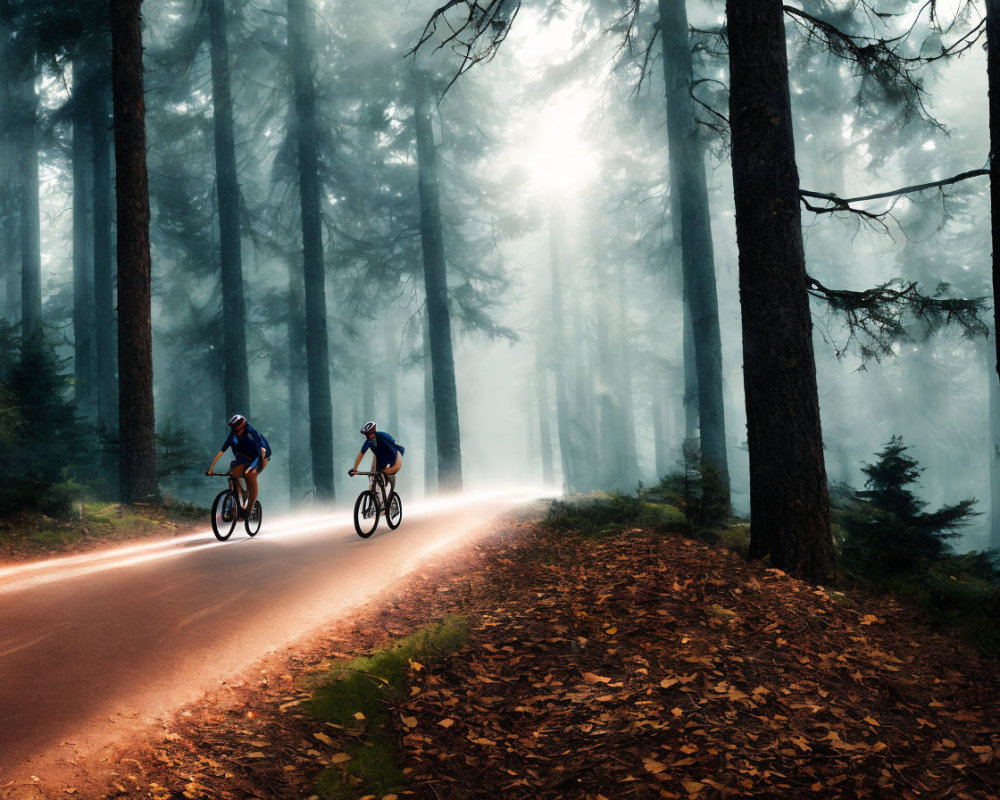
{"x":449,"y":448}
{"x":104,"y":276}
{"x":9,"y":226}
{"x":26,"y":117}
{"x":660,"y":425}
{"x":137,"y":460}
{"x":83,"y":291}
{"x":630,"y":469}
{"x":298,"y":410}
{"x":790,"y":511}
{"x":687,"y":178}
{"x":317,"y":342}
{"x":542,"y":396}
{"x":570,"y":482}
{"x":993,"y":82}
{"x":235,"y":376}
{"x":430,"y":426}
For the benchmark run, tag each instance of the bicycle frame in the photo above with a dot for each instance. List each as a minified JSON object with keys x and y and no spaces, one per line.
{"x":378,"y":478}
{"x":236,"y":485}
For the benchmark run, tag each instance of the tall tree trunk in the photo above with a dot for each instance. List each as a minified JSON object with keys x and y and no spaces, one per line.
{"x":430,"y":425}
{"x":136,"y":417}
{"x":235,"y":377}
{"x":12,"y":296}
{"x":611,"y":452}
{"x":317,"y":343}
{"x":563,"y":421}
{"x":104,"y":277}
{"x":542,"y":396}
{"x":391,"y":372}
{"x":584,"y":413}
{"x":83,"y":292}
{"x":298,"y":411}
{"x":449,"y":448}
{"x":30,"y":233}
{"x":687,"y":177}
{"x":690,"y":399}
{"x":367,"y":380}
{"x":630,"y":471}
{"x":661,"y":425}
{"x":789,"y":504}
{"x":9,"y":225}
{"x":993,"y":82}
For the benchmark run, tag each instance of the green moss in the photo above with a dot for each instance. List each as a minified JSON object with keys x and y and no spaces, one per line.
{"x":360,"y":694}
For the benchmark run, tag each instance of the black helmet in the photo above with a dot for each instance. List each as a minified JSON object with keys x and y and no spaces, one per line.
{"x":368,"y":428}
{"x":237,"y":421}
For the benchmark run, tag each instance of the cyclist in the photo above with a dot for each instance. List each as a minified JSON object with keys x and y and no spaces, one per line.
{"x":251,"y":452}
{"x":388,"y":455}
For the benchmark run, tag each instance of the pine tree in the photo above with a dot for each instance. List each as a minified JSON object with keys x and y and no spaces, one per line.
{"x":886,"y":530}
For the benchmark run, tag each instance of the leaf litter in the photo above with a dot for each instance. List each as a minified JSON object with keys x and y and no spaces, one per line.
{"x":635,"y":665}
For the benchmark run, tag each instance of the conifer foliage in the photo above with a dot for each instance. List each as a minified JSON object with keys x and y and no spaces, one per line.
{"x":886,"y":530}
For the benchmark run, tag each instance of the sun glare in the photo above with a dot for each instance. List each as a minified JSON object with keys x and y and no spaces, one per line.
{"x":558,"y":158}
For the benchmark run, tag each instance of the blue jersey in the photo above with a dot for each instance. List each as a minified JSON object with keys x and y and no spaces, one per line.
{"x":248,"y":447}
{"x":385,"y":449}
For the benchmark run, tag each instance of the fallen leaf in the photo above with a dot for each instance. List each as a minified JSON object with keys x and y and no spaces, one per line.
{"x":653,"y":766}
{"x":340,"y":758}
{"x":590,"y":677}
{"x":447,"y":722}
{"x":324,"y":739}
{"x":409,"y":722}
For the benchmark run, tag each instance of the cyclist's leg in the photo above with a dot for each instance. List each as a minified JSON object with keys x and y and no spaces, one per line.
{"x":238,"y":468}
{"x":252,"y":488}
{"x":390,"y":472}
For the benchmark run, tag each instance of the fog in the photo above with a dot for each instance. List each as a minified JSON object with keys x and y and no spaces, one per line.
{"x":554,"y":151}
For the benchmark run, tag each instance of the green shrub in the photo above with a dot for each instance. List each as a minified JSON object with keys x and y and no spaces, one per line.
{"x":695,"y":489}
{"x":610,"y":514}
{"x":40,"y":436}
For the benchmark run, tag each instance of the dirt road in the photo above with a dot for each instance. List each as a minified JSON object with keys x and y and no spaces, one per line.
{"x":95,"y":647}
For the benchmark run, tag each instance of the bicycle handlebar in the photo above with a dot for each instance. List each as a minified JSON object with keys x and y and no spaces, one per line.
{"x":220,"y":474}
{"x":365,"y":473}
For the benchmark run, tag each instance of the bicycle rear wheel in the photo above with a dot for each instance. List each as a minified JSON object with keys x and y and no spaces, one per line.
{"x":253,"y":520}
{"x":395,"y":513}
{"x":224,"y":514}
{"x":366,"y":514}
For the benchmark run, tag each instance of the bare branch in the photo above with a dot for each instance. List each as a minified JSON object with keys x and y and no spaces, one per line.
{"x":844,"y":203}
{"x":475,"y":37}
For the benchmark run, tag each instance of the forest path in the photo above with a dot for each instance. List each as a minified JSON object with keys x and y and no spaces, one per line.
{"x":97,"y":646}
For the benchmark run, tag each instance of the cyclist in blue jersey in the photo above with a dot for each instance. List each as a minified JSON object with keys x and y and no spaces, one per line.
{"x":250,"y":453}
{"x":387,"y":453}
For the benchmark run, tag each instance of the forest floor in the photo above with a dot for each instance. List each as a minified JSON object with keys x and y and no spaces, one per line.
{"x":33,"y":536}
{"x":632,"y":664}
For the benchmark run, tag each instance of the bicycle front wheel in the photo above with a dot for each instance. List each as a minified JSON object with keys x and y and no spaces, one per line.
{"x":253,"y":520}
{"x":224,"y":514}
{"x":395,"y":513}
{"x":366,"y":514}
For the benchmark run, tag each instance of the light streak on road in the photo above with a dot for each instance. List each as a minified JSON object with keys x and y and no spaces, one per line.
{"x":23,"y":576}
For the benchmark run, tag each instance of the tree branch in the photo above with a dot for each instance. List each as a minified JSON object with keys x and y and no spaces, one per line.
{"x":844,"y":203}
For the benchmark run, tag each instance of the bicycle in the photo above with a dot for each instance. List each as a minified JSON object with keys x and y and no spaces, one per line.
{"x":226,"y":506}
{"x":371,"y":504}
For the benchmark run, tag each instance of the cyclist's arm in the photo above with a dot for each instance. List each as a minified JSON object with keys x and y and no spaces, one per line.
{"x":357,"y":461}
{"x":215,"y":461}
